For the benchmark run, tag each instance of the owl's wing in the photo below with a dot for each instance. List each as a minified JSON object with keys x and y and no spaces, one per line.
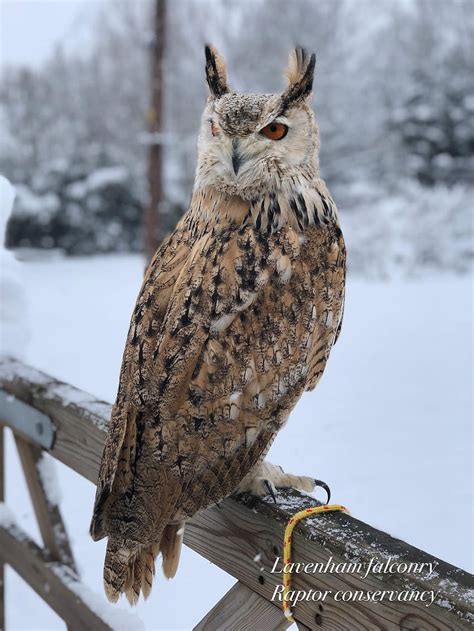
{"x":341,"y":284}
{"x":339,"y":326}
{"x":190,"y":290}
{"x":329,"y":303}
{"x":150,"y":309}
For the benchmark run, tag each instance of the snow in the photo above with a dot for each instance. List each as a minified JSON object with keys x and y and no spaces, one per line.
{"x":96,"y":180}
{"x":116,"y":618}
{"x":7,"y":518}
{"x":13,"y":304}
{"x":408,"y":232}
{"x":7,"y":197}
{"x":388,"y":427}
{"x":48,"y":474}
{"x":41,"y":205}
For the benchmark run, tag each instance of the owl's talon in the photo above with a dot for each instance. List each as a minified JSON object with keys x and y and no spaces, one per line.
{"x":270,"y":490}
{"x":324,"y":486}
{"x":266,"y":478}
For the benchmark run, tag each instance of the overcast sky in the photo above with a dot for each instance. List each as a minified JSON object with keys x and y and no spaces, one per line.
{"x":30,"y":29}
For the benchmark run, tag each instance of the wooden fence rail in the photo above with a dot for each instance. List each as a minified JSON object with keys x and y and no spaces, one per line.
{"x":243,"y":536}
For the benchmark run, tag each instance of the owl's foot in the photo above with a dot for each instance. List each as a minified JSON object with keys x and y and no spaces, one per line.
{"x":266,"y":478}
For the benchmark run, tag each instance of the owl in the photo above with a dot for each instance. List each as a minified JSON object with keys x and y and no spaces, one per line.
{"x":236,"y":317}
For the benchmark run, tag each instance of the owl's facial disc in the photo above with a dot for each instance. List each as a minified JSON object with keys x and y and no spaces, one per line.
{"x":247,"y":146}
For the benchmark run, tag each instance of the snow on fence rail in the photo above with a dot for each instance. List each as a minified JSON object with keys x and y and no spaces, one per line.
{"x":346,"y":582}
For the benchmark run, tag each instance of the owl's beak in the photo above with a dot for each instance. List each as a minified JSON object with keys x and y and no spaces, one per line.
{"x":236,"y":157}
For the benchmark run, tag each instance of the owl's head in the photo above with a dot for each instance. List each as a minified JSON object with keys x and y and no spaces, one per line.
{"x":251,"y":144}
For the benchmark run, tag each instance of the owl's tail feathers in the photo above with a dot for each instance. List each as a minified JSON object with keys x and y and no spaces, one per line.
{"x":128,"y":572}
{"x":170,"y":548}
{"x":119,"y":561}
{"x":131,"y":572}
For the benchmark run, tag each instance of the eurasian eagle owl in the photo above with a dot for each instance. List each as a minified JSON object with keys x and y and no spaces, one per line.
{"x":235,"y":319}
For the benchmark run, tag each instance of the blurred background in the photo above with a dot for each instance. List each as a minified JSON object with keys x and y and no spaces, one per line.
{"x":393,"y":95}
{"x":100,"y":102}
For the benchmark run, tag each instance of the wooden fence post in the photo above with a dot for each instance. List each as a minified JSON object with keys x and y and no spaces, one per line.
{"x":51,"y":525}
{"x":241,"y":608}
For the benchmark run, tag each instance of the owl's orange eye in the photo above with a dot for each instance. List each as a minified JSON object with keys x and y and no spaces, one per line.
{"x":275,"y":131}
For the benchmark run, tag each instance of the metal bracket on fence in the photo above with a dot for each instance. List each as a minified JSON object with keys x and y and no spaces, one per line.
{"x":27,"y":420}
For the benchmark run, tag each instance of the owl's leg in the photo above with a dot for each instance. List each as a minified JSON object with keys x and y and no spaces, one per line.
{"x":265,"y":478}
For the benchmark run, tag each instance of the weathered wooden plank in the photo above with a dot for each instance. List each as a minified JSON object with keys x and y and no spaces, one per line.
{"x":27,"y":421}
{"x":48,"y":515}
{"x":53,"y":582}
{"x":79,"y":418}
{"x":232,"y":535}
{"x":241,"y":609}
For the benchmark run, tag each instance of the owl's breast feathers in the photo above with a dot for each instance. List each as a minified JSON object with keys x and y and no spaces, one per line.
{"x":236,"y":317}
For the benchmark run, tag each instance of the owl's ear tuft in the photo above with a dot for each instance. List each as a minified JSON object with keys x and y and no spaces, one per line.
{"x":300,"y":73}
{"x":216,"y":72}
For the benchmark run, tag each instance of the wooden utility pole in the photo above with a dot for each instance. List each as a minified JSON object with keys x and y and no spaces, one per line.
{"x":151,"y":219}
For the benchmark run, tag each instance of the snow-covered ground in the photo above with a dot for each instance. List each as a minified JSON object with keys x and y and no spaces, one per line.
{"x":389,"y":427}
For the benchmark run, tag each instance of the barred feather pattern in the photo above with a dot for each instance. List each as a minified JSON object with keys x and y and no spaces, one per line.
{"x":235,"y":319}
